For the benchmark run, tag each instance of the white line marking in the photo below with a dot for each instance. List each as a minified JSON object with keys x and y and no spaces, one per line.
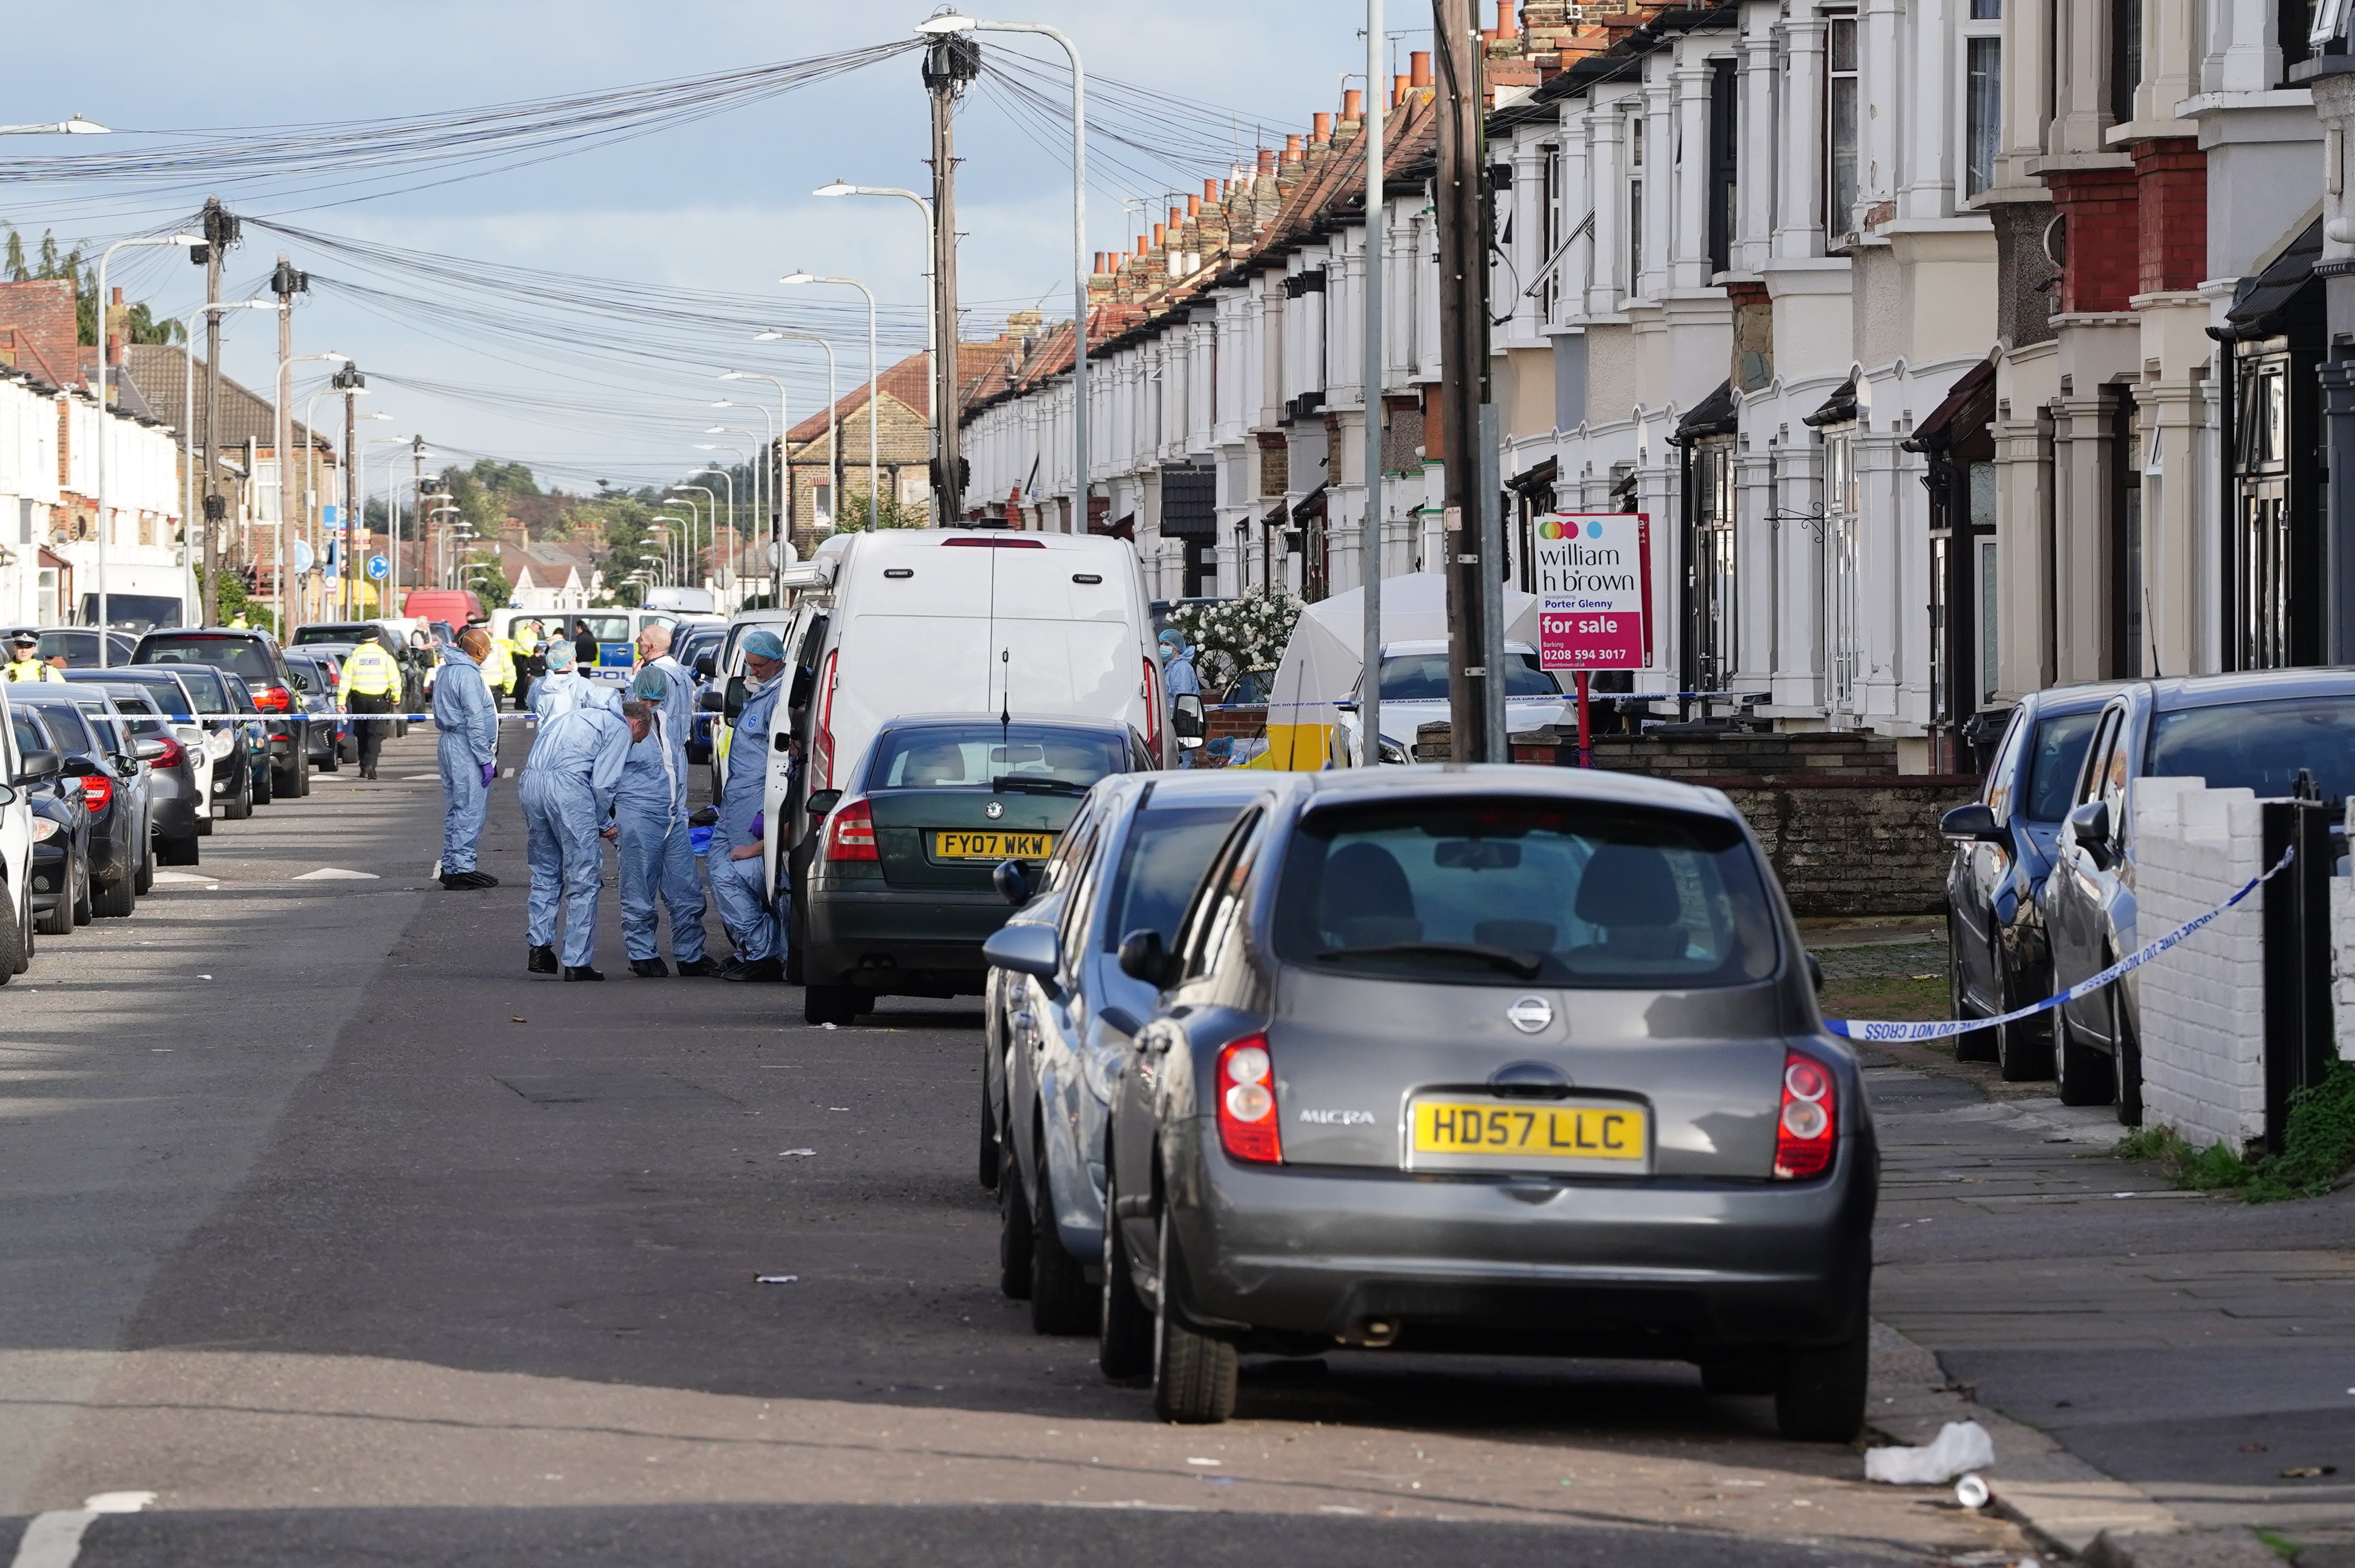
{"x":338,"y":874}
{"x":54,"y":1539}
{"x":181,"y":879}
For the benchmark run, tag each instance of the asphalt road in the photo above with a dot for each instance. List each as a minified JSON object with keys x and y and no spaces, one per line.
{"x":326,"y":1225}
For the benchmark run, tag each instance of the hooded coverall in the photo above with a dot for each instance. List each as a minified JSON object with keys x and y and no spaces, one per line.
{"x":569,"y":786}
{"x":560,"y":694}
{"x":658,"y":855}
{"x":740,"y":886}
{"x":469,"y":742}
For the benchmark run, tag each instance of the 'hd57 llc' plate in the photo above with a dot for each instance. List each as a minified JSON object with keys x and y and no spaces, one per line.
{"x":1467,"y":1134}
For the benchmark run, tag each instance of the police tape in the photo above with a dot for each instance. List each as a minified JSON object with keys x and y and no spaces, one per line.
{"x":1941,"y":1029}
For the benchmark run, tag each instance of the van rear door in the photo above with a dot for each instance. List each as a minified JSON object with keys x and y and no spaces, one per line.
{"x":1063,"y":642}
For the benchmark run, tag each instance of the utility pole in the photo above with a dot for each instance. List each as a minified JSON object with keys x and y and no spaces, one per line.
{"x":220,"y":232}
{"x":415,"y":511}
{"x":348,"y":381}
{"x":953,"y":60}
{"x":1460,"y":189}
{"x":1369,"y":686}
{"x":284,"y":281}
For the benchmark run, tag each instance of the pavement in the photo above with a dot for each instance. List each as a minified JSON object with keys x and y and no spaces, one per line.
{"x":325,"y":1225}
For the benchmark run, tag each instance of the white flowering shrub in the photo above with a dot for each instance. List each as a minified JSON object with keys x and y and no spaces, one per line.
{"x":1235,"y":637}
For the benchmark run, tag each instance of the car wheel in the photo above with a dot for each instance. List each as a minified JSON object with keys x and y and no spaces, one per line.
{"x":2023,"y":1051}
{"x":1820,"y":1398}
{"x":14,"y":958}
{"x":144,"y":882}
{"x":1749,"y":1377}
{"x":985,"y":1170}
{"x":82,"y":911}
{"x":1124,"y":1327}
{"x":114,"y":900}
{"x":265,"y":786}
{"x":796,"y":940}
{"x":1061,"y":1300}
{"x":1193,"y":1375}
{"x":60,"y":920}
{"x":2126,"y":1066}
{"x":240,"y":805}
{"x":2085,"y":1074}
{"x":283,"y":780}
{"x":178,"y":852}
{"x":1976,"y":1044}
{"x":835,"y":1004}
{"x":1015,"y":1237}
{"x":334,"y":761}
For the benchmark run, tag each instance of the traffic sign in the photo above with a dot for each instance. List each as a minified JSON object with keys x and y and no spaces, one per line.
{"x":303,"y":557}
{"x":379,"y":568}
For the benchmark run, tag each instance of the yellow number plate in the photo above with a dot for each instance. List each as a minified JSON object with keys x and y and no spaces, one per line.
{"x":993,"y":846}
{"x":1530,"y":1131}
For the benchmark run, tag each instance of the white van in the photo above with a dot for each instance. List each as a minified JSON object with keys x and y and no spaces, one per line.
{"x":956,"y":620}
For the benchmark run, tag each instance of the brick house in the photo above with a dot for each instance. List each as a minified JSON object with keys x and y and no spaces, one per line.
{"x":903,"y":453}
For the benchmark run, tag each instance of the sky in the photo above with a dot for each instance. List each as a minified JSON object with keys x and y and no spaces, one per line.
{"x":633,"y":270}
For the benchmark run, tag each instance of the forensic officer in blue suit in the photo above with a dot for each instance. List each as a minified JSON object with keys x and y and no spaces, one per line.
{"x":569,"y":783}
{"x":567,"y":685}
{"x":468,"y":719}
{"x":658,"y":855}
{"x":739,"y":880}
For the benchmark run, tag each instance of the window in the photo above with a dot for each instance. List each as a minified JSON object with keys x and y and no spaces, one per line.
{"x":1422,"y":678}
{"x":1636,"y":203}
{"x":1161,"y":865}
{"x":1840,"y":129}
{"x":822,"y":506}
{"x":1511,"y":892}
{"x":1724,"y":161}
{"x":242,"y":656}
{"x":2058,"y":757}
{"x":1550,"y":233}
{"x":2259,"y":746}
{"x":2125,"y":539}
{"x":1982,"y":110}
{"x":1210,"y":916}
{"x":2126,"y":58}
{"x":1041,"y":758}
{"x":1843,"y":617}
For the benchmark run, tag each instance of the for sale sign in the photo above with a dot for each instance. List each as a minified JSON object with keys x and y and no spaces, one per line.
{"x":1594,"y":590}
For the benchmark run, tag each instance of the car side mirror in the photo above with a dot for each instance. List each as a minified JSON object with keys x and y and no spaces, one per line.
{"x":707,"y":665}
{"x":710,"y":701}
{"x":1025,"y":949}
{"x":1143,"y":958}
{"x":1012,"y":882}
{"x":822,"y":802}
{"x":2089,"y":824}
{"x":34,"y":765}
{"x":1187,"y":723}
{"x":1973,"y":823}
{"x":733,"y":703}
{"x":148,"y":750}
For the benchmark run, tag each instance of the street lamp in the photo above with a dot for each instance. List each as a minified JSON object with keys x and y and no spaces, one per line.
{"x":352,"y":525}
{"x":780,"y":433}
{"x":951,"y":22}
{"x":874,"y":468}
{"x":762,"y":486}
{"x":188,"y":411}
{"x":735,"y":542}
{"x":692,"y":576}
{"x":103,"y":526}
{"x":931,"y":311}
{"x":77,"y":126}
{"x":286,"y":364}
{"x":833,"y":419}
{"x":441,"y":567}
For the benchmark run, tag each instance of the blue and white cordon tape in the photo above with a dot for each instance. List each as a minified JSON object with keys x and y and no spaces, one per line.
{"x":1941,"y":1029}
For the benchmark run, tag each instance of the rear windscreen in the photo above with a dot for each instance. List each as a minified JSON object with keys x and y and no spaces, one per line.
{"x":2262,"y":747}
{"x":233,"y":653}
{"x":206,"y":688}
{"x":986,"y":755}
{"x":66,"y":727}
{"x":336,"y":631}
{"x":1167,"y":850}
{"x":1507,"y":892}
{"x":167,"y":699}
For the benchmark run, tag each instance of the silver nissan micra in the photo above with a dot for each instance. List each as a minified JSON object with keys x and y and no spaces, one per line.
{"x":1492,"y":1059}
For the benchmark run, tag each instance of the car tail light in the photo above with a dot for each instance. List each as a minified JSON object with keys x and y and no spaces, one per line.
{"x":1807,"y":1129}
{"x":1246,"y":1089}
{"x":174,"y":753}
{"x":822,"y":746}
{"x":1151,"y":710}
{"x":96,"y":793}
{"x":274,"y":699}
{"x":851,"y":833}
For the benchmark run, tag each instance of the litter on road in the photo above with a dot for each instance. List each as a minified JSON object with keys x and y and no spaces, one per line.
{"x":1960,"y":1446}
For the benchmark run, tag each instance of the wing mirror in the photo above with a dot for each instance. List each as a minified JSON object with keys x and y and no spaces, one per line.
{"x":147,"y":750}
{"x":1973,"y":823}
{"x":822,"y":802}
{"x":1025,"y":949}
{"x":710,"y":701}
{"x":1187,"y":723}
{"x":733,"y":703}
{"x":1143,"y":958}
{"x":707,"y":665}
{"x":2089,"y":824}
{"x":34,"y":765}
{"x":1012,"y":882}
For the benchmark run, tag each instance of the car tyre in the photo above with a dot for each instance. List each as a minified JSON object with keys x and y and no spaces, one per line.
{"x":1061,"y":1300}
{"x":1124,"y":1326}
{"x":2085,"y":1075}
{"x":334,"y":761}
{"x":240,"y":805}
{"x":2126,"y":1066}
{"x":985,"y":1170}
{"x":16,"y":956}
{"x":265,"y":787}
{"x":1015,"y":1236}
{"x":144,"y":882}
{"x":1194,"y":1375}
{"x":1820,"y":1398}
{"x":60,"y":920}
{"x":1974,"y":1044}
{"x":1747,"y":1378}
{"x":835,"y":1004}
{"x":83,"y":913}
{"x":2020,"y":1054}
{"x":114,"y":900}
{"x":178,"y":852}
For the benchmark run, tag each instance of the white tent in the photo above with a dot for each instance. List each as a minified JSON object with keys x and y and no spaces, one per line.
{"x":1322,"y":663}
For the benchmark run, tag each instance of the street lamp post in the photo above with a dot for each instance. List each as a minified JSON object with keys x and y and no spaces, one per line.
{"x":938,"y":349}
{"x":352,"y":524}
{"x":761,"y":484}
{"x":833,"y":423}
{"x":727,"y":477}
{"x":736,"y":544}
{"x":286,"y":362}
{"x":783,"y":433}
{"x":953,"y":22}
{"x":874,"y":468}
{"x":104,"y":526}
{"x":188,"y":411}
{"x":669,"y":527}
{"x":692,"y":577}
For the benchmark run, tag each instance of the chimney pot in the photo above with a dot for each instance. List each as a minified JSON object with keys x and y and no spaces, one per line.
{"x":1418,"y":64}
{"x":1398,"y":91}
{"x":1267,"y":160}
{"x":1213,"y":189}
{"x":1506,"y":21}
{"x":1353,"y":104}
{"x":1293,"y":149}
{"x":1193,"y":206}
{"x":1160,"y":236}
{"x":1142,"y":246}
{"x":1321,"y":124}
{"x":117,"y":295}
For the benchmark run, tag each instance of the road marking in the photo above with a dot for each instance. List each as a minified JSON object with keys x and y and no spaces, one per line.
{"x":338,"y":874}
{"x":421,"y":777}
{"x":54,"y":1539}
{"x":182,"y":879}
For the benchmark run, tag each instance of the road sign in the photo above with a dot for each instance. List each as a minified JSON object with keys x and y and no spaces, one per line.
{"x":1594,"y":590}
{"x":379,"y":568}
{"x":303,"y":560}
{"x":333,"y":516}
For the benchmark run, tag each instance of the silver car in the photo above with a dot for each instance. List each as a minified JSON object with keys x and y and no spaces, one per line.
{"x":1067,"y":1016}
{"x":1489,"y":1059}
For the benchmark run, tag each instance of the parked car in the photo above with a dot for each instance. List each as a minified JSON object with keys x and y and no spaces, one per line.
{"x":60,"y":874}
{"x":1414,"y":693}
{"x":175,"y":800}
{"x":203,"y":744}
{"x":1058,"y":1041}
{"x":2264,"y":731}
{"x":21,"y":770}
{"x":253,"y":656}
{"x":257,"y":739}
{"x":902,"y":897}
{"x":79,"y":646}
{"x":112,"y":787}
{"x":1488,"y":1059}
{"x":314,"y":673}
{"x":695,"y":645}
{"x":2005,"y":842}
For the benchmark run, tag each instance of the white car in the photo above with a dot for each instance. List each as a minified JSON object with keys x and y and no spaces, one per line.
{"x":16,"y":844}
{"x":1414,"y":693}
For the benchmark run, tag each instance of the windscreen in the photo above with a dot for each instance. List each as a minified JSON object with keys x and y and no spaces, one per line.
{"x":979,"y":756}
{"x":1168,"y":849}
{"x":1423,"y":677}
{"x":239,"y":654}
{"x":2053,"y":759}
{"x":1502,"y":892}
{"x":206,"y":688}
{"x":2259,"y":746}
{"x":134,"y":612}
{"x":79,"y":648}
{"x":167,"y":699}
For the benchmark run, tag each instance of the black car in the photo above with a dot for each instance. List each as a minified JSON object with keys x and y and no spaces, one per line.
{"x":316,"y":674}
{"x":60,"y":874}
{"x":254,"y":657}
{"x":79,"y":646}
{"x":2006,"y":842}
{"x":170,"y":694}
{"x":901,"y":895}
{"x":111,"y":788}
